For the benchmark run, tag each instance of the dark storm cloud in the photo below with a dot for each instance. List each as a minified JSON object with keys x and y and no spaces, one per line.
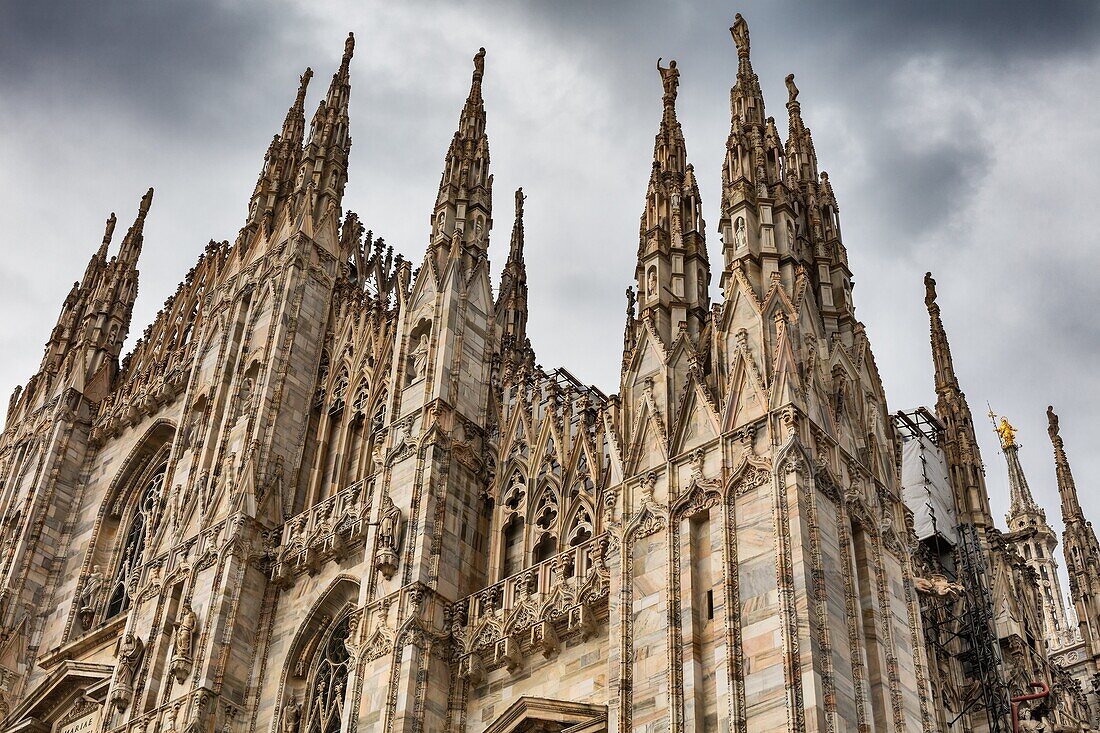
{"x":157,"y":57}
{"x":959,"y":136}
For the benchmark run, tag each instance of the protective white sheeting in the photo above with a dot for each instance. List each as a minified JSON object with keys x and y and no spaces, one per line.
{"x":926,"y":490}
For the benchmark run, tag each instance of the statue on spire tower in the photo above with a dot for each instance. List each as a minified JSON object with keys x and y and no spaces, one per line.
{"x":670,"y":79}
{"x":792,"y":90}
{"x":740,"y":32}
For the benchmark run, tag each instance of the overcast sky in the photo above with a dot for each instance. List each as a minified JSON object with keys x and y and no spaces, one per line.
{"x":959,"y":138}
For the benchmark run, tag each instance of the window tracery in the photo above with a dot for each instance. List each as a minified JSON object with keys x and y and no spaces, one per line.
{"x":328,"y":681}
{"x":133,"y":542}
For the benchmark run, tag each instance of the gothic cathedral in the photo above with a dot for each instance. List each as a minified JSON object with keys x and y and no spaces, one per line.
{"x":331,"y":491}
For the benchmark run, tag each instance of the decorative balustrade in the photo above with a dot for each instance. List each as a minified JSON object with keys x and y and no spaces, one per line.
{"x":532,"y":610}
{"x":327,"y":530}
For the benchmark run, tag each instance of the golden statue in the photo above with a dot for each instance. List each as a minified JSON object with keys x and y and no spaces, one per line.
{"x":1007,"y":433}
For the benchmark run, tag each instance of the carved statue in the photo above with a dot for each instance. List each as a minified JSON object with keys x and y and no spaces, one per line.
{"x":670,"y":79}
{"x":292,"y":716}
{"x":388,"y":523}
{"x":519,"y":202}
{"x":186,"y":627}
{"x":740,"y":33}
{"x":651,"y":283}
{"x":792,"y":90}
{"x":937,"y":585}
{"x":129,"y":657}
{"x":245,"y":396}
{"x":479,"y":63}
{"x":1007,"y":433}
{"x":740,"y":236}
{"x":929,"y":289}
{"x":89,"y":595}
{"x":1026,"y":724}
{"x":389,"y":531}
{"x":1052,"y":422}
{"x":420,"y":357}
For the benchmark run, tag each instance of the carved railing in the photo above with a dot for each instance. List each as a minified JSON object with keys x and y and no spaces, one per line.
{"x":533,"y":610}
{"x":328,"y":529}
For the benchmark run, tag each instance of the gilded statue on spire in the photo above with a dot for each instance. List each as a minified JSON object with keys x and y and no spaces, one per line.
{"x":740,"y":32}
{"x":670,"y":79}
{"x":1007,"y":432}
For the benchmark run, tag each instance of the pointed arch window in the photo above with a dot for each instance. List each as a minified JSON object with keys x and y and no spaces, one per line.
{"x":133,"y":542}
{"x":328,"y":681}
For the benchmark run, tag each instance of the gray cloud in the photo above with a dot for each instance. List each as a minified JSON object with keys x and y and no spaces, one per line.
{"x":959,"y":137}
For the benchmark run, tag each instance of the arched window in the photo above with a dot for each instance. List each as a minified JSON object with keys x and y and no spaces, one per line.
{"x":328,"y":681}
{"x":133,"y":542}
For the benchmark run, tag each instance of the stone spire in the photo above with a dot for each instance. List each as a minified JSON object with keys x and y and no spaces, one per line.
{"x":463,"y":210}
{"x":746,"y":98}
{"x":1081,"y":549}
{"x":801,"y":156}
{"x":323,"y":174}
{"x":1034,"y":538}
{"x":672,"y":272}
{"x":752,"y":165}
{"x":511,"y":305}
{"x":130,"y":249}
{"x":964,"y":459}
{"x":1067,"y":489}
{"x":1021,"y":502}
{"x":281,"y":162}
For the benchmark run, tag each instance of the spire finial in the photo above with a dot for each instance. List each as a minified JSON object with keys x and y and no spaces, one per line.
{"x":670,"y":79}
{"x":740,"y":32}
{"x":479,"y":64}
{"x":1052,"y":422}
{"x":519,"y":202}
{"x":109,"y":231}
{"x":1005,"y":431}
{"x":303,"y":83}
{"x":929,"y":289}
{"x":349,"y":50}
{"x":792,"y":90}
{"x":146,"y":200}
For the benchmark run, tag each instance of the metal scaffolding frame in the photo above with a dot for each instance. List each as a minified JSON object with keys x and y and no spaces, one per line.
{"x":962,"y":624}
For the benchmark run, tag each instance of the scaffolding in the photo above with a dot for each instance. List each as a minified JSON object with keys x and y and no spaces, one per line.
{"x":960,"y":623}
{"x":983,"y":662}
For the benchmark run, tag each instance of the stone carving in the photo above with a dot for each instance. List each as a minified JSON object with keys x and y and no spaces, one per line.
{"x":740,"y":236}
{"x":937,"y":585}
{"x":670,"y":79}
{"x":183,"y":653}
{"x":1027,"y":725}
{"x":90,"y":596}
{"x":792,"y":90}
{"x":389,"y":537}
{"x":420,"y":358}
{"x":130,"y":651}
{"x":291,"y":719}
